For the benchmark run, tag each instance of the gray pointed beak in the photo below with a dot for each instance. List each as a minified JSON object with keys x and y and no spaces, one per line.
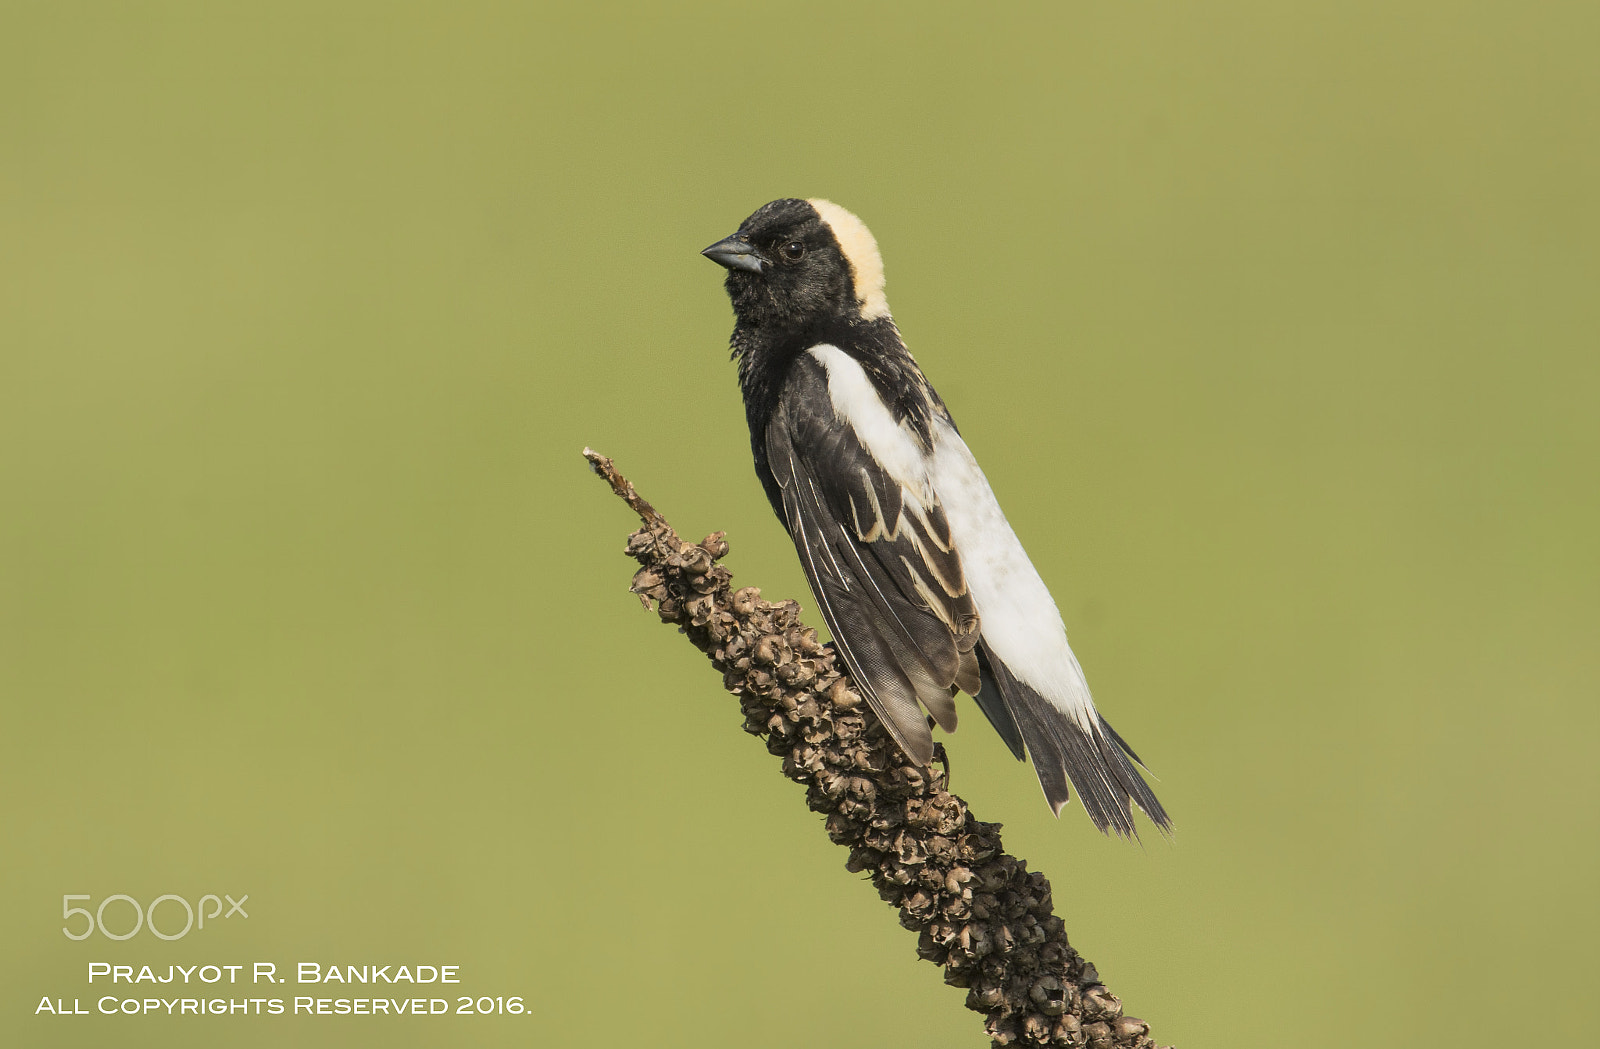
{"x":736,"y":253}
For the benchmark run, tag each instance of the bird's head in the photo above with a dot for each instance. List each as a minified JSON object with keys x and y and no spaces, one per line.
{"x":799,"y":263}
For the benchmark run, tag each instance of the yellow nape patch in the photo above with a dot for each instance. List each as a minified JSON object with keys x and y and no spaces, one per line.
{"x":861,"y":251}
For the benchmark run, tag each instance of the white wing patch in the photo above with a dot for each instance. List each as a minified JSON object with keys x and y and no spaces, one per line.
{"x":1019,"y":619}
{"x":857,"y":404}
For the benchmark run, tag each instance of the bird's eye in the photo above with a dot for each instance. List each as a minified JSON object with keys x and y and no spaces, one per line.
{"x":793,"y":250}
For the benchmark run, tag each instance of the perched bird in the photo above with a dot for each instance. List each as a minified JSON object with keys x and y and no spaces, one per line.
{"x":917,"y":572}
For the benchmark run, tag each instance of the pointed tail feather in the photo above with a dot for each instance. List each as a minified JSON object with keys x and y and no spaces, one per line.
{"x":993,"y":704}
{"x":1095,"y":761}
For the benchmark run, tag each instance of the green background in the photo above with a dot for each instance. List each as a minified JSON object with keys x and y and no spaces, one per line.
{"x":1275,"y":327}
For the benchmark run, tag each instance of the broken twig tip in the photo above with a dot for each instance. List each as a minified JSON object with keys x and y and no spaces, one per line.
{"x":624,"y":489}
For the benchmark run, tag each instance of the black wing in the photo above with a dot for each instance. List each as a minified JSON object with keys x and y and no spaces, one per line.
{"x":882,"y":566}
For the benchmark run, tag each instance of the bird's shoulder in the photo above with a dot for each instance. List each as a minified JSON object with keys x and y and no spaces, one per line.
{"x":837,"y":442}
{"x":863,"y":371}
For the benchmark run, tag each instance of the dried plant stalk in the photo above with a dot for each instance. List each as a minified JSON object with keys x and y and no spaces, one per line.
{"x":977,"y":911}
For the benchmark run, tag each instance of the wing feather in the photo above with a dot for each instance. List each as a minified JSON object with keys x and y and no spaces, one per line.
{"x":880,"y":562}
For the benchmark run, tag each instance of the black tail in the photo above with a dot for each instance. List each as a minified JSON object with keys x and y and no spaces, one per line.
{"x":1096,"y":762}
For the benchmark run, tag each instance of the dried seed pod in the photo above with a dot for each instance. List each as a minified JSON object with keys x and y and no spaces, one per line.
{"x":1129,"y":1030}
{"x":1100,"y":1004}
{"x":796,"y":675}
{"x":1098,"y":1035}
{"x":957,"y":881}
{"x":1048,"y":995}
{"x":842,"y":695}
{"x":862,"y":859}
{"x":986,"y":996}
{"x":862,"y":787}
{"x":841,"y":829}
{"x":910,"y":779}
{"x":699,"y":609}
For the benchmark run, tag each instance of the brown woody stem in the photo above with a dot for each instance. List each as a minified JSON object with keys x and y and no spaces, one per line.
{"x":978,"y":912}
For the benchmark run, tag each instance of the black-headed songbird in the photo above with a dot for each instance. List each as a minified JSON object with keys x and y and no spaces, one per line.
{"x":920,"y":578}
